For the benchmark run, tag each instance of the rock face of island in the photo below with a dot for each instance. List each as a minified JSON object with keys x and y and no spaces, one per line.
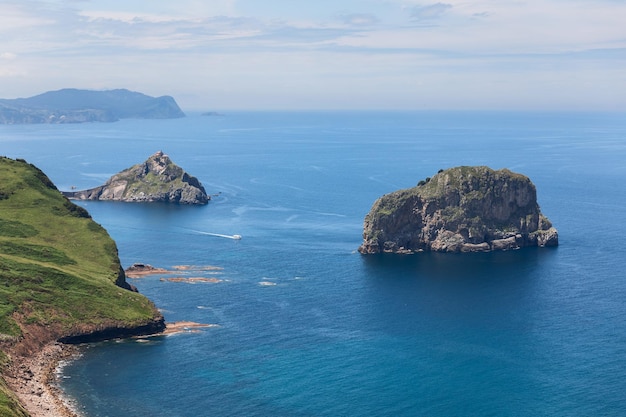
{"x":61,"y":276}
{"x":463,"y":209}
{"x":78,"y":106}
{"x":158,"y":179}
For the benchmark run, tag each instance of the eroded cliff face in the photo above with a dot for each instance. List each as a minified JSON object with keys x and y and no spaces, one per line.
{"x":158,"y":179}
{"x":463,"y":209}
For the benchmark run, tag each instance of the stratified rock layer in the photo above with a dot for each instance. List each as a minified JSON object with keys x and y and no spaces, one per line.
{"x":463,"y":209}
{"x":158,"y":179}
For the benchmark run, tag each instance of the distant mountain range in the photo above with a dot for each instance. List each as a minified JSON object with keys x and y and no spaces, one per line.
{"x":72,"y":105}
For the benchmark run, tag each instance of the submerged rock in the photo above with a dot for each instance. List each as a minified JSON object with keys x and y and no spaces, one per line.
{"x":158,"y":179}
{"x":463,"y":209}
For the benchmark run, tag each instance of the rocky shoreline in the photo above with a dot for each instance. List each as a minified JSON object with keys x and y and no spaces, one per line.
{"x":31,"y":370}
{"x":34,"y":381}
{"x":33,"y":373}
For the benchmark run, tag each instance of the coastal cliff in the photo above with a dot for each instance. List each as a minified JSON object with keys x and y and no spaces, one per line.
{"x":72,"y":105}
{"x":462,"y":209}
{"x":158,"y":179}
{"x":61,"y":278}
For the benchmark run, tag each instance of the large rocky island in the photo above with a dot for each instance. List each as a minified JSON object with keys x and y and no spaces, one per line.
{"x":158,"y":179}
{"x":61,"y":281}
{"x":463,"y":209}
{"x":72,"y":105}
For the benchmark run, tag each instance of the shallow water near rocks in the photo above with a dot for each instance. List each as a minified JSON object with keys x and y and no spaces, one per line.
{"x":308,"y":327}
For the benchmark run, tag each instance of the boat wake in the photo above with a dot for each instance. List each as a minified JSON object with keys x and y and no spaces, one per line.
{"x":234,"y":237}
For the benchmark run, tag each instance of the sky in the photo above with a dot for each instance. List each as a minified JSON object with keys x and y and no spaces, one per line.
{"x":344,"y":54}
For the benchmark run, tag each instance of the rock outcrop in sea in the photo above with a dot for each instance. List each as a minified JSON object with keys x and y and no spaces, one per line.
{"x":462,"y":209}
{"x":158,"y":179}
{"x":72,"y":105}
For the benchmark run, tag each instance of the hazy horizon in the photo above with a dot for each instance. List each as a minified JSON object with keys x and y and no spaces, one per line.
{"x":340,"y":55}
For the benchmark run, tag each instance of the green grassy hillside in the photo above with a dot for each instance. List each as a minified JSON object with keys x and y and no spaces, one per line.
{"x":58,"y":268}
{"x":9,"y":405}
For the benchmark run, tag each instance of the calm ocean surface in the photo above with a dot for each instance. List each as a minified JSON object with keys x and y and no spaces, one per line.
{"x":307,"y":326}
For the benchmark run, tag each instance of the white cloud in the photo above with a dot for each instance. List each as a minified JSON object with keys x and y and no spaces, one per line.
{"x":431,"y":11}
{"x":367,"y":53}
{"x":359,"y":19}
{"x":126,"y":17}
{"x":156,"y":10}
{"x":19,"y":16}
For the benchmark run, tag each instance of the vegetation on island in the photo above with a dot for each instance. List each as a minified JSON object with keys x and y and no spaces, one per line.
{"x":60,"y":274}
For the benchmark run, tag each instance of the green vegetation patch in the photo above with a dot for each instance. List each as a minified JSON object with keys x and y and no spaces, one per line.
{"x":153,"y":183}
{"x":12,"y":228}
{"x":47,"y":295}
{"x":453,"y":214}
{"x":36,"y":252}
{"x":390,"y":203}
{"x":9,"y":406}
{"x":56,"y":264}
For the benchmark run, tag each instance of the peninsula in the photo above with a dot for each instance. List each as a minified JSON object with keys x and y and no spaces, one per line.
{"x":462,"y":209}
{"x":72,"y":105}
{"x":158,"y":179}
{"x":61,"y":282}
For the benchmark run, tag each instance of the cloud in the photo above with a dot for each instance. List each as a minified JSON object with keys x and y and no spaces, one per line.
{"x":154,"y":10}
{"x":127,"y":17}
{"x":359,"y":19}
{"x":481,"y":14}
{"x":20,"y":16}
{"x":432,"y":11}
{"x":219,"y":33}
{"x":327,"y":53}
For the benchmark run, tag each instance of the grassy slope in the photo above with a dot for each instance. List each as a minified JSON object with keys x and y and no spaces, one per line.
{"x":9,"y":406}
{"x":57,"y":266}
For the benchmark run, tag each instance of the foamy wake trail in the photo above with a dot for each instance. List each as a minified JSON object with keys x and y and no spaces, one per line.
{"x":234,"y":237}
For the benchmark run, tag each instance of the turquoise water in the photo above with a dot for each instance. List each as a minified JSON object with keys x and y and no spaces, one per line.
{"x":307,"y":326}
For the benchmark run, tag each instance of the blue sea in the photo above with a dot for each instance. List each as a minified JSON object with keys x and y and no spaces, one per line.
{"x":304,"y":325}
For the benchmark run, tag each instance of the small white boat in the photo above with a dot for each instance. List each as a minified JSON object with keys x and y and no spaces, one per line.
{"x":236,"y":237}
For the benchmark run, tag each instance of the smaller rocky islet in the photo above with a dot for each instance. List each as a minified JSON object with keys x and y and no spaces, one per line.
{"x":461,"y":209}
{"x":158,"y":179}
